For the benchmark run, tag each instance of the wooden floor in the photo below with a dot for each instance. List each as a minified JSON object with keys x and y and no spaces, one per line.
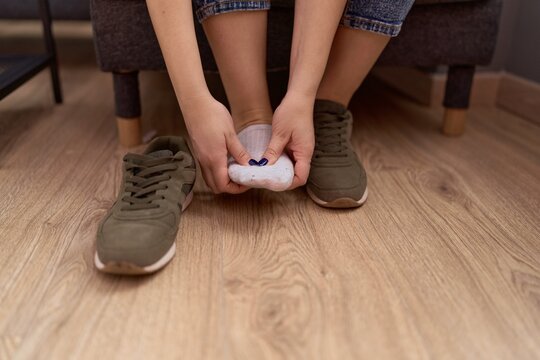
{"x":443,"y":261}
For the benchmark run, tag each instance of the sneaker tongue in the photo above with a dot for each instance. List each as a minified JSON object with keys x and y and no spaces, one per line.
{"x":161,"y":153}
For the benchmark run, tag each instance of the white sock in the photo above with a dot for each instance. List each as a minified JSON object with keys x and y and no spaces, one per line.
{"x":277,"y":177}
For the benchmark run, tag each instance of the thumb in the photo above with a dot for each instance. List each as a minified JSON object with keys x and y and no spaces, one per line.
{"x":237,"y":150}
{"x":275,"y":148}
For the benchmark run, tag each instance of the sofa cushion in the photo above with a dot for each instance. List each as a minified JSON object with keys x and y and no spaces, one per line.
{"x":428,"y":2}
{"x":462,"y":33}
{"x":290,"y":3}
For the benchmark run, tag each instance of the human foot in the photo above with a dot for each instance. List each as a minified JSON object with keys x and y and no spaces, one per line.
{"x":276,"y":177}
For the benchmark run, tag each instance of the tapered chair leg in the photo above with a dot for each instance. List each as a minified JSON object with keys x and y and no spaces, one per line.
{"x":129,"y":131}
{"x":454,"y":121}
{"x":456,"y":98}
{"x":128,"y":108}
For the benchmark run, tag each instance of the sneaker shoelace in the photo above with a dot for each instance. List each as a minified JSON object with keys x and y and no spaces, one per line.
{"x":147,"y":175}
{"x":331,"y":136}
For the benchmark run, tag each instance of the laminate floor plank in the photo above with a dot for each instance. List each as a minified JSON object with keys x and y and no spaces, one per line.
{"x":443,"y":261}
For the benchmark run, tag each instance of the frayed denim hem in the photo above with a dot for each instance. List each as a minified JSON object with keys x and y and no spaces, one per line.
{"x":376,"y":26}
{"x":223,"y":7}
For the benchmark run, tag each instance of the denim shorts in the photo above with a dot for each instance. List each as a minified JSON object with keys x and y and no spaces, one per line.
{"x":380,"y":16}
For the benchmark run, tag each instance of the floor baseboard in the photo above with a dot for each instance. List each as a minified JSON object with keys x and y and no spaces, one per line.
{"x":519,"y":96}
{"x":501,"y":89}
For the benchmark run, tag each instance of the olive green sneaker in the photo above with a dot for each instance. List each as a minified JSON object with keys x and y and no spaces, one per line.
{"x":137,"y":236}
{"x":337,"y":179}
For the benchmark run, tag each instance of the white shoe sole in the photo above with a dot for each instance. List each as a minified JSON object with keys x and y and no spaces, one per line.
{"x":341,"y":203}
{"x":127,"y":268}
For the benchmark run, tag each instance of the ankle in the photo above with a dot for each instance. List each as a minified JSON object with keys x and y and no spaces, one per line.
{"x":335,"y":96}
{"x":251,"y":117}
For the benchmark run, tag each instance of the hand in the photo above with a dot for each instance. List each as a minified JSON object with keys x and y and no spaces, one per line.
{"x":292,"y":129}
{"x":212,"y":133}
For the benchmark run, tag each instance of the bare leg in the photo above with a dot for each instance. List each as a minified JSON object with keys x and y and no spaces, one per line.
{"x":238,"y":41}
{"x":353,"y":54}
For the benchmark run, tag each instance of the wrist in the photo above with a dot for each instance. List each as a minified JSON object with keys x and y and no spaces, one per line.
{"x":193,"y":101}
{"x":305,"y":88}
{"x":303,"y":84}
{"x":301,"y":95}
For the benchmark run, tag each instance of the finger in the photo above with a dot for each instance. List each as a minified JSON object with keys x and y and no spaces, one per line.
{"x":301,"y":173}
{"x":223,"y":182}
{"x":237,"y":150}
{"x":275,"y":148}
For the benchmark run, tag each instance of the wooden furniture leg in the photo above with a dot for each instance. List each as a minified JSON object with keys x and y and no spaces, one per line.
{"x":456,"y":98}
{"x":454,"y":121}
{"x":128,"y":107}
